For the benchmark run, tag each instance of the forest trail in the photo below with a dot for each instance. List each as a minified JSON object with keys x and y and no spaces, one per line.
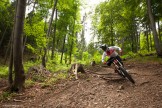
{"x":98,"y":91}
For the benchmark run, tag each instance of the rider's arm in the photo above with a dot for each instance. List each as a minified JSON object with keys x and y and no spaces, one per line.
{"x":103,"y":57}
{"x":118,"y":48}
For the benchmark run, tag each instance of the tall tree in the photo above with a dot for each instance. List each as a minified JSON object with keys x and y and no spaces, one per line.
{"x":48,"y":34}
{"x":19,"y":78}
{"x":158,"y":45}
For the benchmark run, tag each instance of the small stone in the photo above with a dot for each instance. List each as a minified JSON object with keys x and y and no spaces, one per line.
{"x":121,"y":87}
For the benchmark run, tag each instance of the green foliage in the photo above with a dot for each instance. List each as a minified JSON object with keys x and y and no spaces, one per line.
{"x":142,"y":56}
{"x":6,"y":23}
{"x":38,"y":78}
{"x":146,"y":59}
{"x":97,"y":57}
{"x":118,"y":22}
{"x":54,"y":65}
{"x":29,"y":64}
{"x":62,"y":75}
{"x":3,"y":71}
{"x":51,"y":81}
{"x":129,"y":55}
{"x":35,"y":37}
{"x":143,"y":40}
{"x":145,"y":52}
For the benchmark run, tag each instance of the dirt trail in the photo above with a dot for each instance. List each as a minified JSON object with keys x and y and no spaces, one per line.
{"x":94,"y":91}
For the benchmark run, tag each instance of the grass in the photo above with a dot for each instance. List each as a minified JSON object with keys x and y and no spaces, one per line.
{"x":29,"y":83}
{"x":148,"y":59}
{"x":143,"y":57}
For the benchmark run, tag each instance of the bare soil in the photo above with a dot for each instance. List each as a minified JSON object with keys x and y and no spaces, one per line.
{"x":92,"y":90}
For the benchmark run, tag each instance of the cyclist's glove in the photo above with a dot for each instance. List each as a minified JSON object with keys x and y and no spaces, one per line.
{"x":104,"y":62}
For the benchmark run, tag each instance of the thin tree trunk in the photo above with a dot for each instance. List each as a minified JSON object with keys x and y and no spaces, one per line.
{"x":44,"y":49}
{"x":19,"y":79}
{"x":147,"y":39}
{"x":71,"y":47}
{"x":139,"y":41}
{"x":10,"y":69}
{"x":159,"y":30}
{"x":51,"y":20}
{"x":158,"y":46}
{"x":54,"y":35}
{"x":44,"y":58}
{"x":63,"y":47}
{"x":49,"y":31}
{"x":149,"y":33}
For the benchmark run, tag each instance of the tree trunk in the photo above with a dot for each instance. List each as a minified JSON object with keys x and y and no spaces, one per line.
{"x":63,"y":47}
{"x":147,"y":39}
{"x":138,"y":35}
{"x":72,"y":43}
{"x":44,"y":58}
{"x":54,"y":35}
{"x":19,"y":79}
{"x":44,"y":49}
{"x":49,"y":29}
{"x":158,"y":46}
{"x":10,"y":69}
{"x":159,"y":30}
{"x":149,"y":33}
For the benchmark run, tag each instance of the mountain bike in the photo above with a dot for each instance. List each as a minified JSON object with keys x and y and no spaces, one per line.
{"x":119,"y":68}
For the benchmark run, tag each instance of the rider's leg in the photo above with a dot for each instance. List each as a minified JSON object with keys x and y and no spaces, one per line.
{"x":109,"y":61}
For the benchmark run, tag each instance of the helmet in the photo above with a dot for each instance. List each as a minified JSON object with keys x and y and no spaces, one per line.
{"x":103,"y":47}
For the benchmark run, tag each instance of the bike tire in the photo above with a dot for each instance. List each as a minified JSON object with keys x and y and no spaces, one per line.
{"x":127,"y":75}
{"x":120,"y":74}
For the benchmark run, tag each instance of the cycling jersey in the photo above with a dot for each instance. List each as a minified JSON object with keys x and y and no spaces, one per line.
{"x":111,"y":52}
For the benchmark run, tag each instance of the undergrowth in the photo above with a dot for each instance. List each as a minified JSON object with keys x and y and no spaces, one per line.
{"x":143,"y":57}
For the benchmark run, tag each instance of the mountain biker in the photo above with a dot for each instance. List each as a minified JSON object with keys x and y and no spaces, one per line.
{"x":112,"y":53}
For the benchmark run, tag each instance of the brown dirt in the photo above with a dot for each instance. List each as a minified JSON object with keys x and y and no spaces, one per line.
{"x":98,"y":91}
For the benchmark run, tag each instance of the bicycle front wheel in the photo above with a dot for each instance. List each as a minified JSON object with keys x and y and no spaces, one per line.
{"x":127,"y":75}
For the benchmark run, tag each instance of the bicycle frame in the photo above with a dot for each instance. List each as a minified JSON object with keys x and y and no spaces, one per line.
{"x":116,"y":62}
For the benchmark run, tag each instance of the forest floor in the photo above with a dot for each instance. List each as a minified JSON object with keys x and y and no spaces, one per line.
{"x":97,"y":91}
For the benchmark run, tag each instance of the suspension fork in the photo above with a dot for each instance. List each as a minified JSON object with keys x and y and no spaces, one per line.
{"x":116,"y":62}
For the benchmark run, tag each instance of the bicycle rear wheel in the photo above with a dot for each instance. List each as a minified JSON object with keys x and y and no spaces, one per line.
{"x":127,"y":75}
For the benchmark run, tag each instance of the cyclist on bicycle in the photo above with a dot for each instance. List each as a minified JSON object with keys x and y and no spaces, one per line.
{"x":112,"y":53}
